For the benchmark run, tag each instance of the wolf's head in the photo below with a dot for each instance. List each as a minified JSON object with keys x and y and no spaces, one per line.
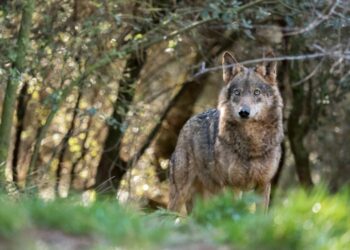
{"x":250,"y":93}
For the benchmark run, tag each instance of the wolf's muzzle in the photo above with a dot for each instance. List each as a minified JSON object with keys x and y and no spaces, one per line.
{"x":244,"y":112}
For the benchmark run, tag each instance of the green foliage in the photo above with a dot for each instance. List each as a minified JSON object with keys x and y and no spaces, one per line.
{"x":221,"y":9}
{"x":10,"y":223}
{"x":298,"y":220}
{"x":303,"y":220}
{"x":104,"y":219}
{"x":220,"y":208}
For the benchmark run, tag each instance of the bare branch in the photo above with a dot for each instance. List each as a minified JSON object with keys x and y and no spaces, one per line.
{"x":320,"y":19}
{"x":332,"y":54}
{"x":309,"y":75}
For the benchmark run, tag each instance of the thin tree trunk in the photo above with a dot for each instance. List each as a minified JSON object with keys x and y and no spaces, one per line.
{"x":83,"y":152}
{"x":21,"y":112}
{"x":185,"y":89}
{"x":297,"y":131}
{"x":65,"y":140}
{"x":285,"y":89}
{"x":84,"y":147}
{"x":12,"y":85}
{"x":181,"y":111}
{"x":111,"y":168}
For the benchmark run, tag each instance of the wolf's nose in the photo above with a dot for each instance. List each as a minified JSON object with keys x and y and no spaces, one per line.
{"x":244,"y":112}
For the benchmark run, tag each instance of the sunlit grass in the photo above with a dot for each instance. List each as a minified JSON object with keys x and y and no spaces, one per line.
{"x":300,"y":220}
{"x":297,"y":220}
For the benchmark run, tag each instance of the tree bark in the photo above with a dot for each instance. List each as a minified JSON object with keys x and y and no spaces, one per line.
{"x":21,"y":112}
{"x":181,"y":110}
{"x":297,"y":131}
{"x":111,"y":167}
{"x":17,"y":69}
{"x":285,"y":89}
{"x":83,"y":152}
{"x":65,"y":140}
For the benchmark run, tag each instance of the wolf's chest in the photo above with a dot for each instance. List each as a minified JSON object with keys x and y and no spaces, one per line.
{"x":245,"y":174}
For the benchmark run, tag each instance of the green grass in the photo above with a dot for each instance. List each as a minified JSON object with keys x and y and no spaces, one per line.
{"x":301,"y":220}
{"x":103,"y":219}
{"x":297,"y":220}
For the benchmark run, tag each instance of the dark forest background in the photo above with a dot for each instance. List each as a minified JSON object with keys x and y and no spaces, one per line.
{"x":93,"y":94}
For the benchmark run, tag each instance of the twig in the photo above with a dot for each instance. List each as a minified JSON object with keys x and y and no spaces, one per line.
{"x":308,"y":76}
{"x":334,"y":54}
{"x":316,"y":22}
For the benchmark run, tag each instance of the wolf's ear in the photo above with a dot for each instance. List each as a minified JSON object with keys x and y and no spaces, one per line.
{"x":268,"y":69}
{"x":230,"y":66}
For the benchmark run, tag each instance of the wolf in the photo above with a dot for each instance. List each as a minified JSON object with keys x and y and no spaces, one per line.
{"x":237,"y":145}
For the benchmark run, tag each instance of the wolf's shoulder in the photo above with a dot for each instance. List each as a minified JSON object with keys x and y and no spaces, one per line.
{"x":209,"y":116}
{"x":204,"y":120}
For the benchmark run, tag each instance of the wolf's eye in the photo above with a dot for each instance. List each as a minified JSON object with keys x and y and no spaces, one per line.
{"x":257,"y":92}
{"x":237,"y":92}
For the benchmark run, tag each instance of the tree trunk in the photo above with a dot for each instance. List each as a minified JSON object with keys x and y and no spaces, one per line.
{"x":111,"y":168}
{"x":181,"y":111}
{"x":297,"y":131}
{"x":23,"y":99}
{"x":12,"y":84}
{"x":84,"y":151}
{"x":285,"y":89}
{"x":64,"y":142}
{"x":167,"y":137}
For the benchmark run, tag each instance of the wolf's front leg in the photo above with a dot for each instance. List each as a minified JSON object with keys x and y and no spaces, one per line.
{"x":237,"y":193}
{"x":265,"y":190}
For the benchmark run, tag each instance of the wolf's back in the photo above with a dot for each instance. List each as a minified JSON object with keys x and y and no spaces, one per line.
{"x":198,"y":137}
